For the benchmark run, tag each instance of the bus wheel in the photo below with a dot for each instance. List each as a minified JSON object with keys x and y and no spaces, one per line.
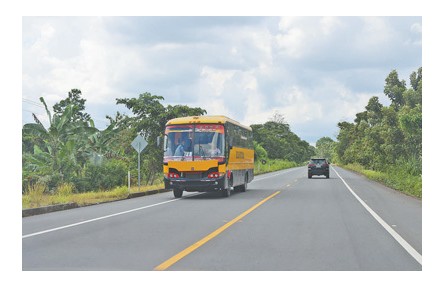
{"x":177,"y":193}
{"x":243,"y":188}
{"x":226,"y":192}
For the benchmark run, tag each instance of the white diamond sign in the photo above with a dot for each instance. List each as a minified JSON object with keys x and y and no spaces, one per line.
{"x":139,"y":143}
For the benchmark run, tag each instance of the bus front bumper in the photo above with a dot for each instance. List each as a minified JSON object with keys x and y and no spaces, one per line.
{"x":201,"y":185}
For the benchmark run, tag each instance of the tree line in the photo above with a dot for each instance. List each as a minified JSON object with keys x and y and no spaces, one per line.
{"x":383,"y":136}
{"x":385,"y":139}
{"x":275,"y":140}
{"x":72,"y":150}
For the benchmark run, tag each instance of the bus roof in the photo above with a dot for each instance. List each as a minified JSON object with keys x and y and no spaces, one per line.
{"x":219,"y":119}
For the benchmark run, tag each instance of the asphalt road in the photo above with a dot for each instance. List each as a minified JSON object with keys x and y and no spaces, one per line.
{"x":284,"y":221}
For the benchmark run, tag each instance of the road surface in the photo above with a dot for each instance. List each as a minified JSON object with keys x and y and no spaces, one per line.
{"x":284,"y":222}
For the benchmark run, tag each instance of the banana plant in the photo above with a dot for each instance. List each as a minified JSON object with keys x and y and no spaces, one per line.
{"x":62,"y":152}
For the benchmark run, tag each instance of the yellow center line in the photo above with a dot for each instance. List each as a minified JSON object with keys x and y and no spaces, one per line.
{"x":166,"y":264}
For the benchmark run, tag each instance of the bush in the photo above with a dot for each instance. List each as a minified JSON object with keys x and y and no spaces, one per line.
{"x":260,"y":152}
{"x":273,"y":165}
{"x":110,"y":174}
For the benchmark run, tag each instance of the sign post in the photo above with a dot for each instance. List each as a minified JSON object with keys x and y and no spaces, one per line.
{"x":139,"y":144}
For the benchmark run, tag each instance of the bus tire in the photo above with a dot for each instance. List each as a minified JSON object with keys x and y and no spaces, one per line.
{"x":243,"y":188}
{"x":226,"y":191}
{"x":177,"y":192}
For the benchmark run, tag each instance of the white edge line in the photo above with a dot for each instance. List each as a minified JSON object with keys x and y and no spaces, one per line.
{"x":416,"y":255}
{"x":105,"y":217}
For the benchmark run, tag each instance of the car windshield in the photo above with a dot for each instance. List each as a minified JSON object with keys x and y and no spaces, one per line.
{"x":318,"y":161}
{"x":194,"y":142}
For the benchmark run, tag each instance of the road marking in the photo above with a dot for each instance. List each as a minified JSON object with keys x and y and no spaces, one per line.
{"x":105,"y":217}
{"x":166,"y":264}
{"x":416,"y":255}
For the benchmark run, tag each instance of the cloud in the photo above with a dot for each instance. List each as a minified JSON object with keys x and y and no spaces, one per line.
{"x":215,"y":80}
{"x":314,"y":70}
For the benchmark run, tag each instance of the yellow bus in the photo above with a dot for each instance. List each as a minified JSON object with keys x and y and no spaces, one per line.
{"x":207,"y":153}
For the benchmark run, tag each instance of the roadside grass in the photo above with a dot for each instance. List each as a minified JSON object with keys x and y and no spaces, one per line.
{"x":65,"y":194}
{"x":272,"y":165}
{"x":35,"y":196}
{"x":398,"y":178}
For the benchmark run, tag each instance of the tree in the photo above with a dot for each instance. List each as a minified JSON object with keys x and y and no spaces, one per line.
{"x":281,"y":143}
{"x":325,"y":147}
{"x":150,"y":116}
{"x":59,"y":155}
{"x":374,"y":111}
{"x":277,"y":117}
{"x":413,"y":97}
{"x":260,"y":152}
{"x":382,"y":136}
{"x":416,"y":79}
{"x":78,"y":105}
{"x":410,"y":121}
{"x":394,"y":89}
{"x":149,"y":120}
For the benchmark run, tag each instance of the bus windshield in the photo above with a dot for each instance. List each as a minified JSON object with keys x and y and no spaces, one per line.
{"x":192,"y":142}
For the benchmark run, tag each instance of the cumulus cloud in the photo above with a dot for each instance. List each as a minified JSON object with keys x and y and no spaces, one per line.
{"x":316,"y":71}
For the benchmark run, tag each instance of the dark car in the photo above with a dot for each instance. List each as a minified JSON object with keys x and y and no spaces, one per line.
{"x":318,"y":166}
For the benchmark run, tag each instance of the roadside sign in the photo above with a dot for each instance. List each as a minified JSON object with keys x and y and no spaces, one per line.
{"x":139,"y":143}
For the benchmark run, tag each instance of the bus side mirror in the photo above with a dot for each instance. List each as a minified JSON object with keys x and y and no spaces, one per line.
{"x":158,"y":141}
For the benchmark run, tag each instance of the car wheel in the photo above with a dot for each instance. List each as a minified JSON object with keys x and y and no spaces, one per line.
{"x":309,"y":176}
{"x":327,"y":176}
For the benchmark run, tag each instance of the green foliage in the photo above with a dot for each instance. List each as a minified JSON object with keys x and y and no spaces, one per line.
{"x":260,"y":152}
{"x":72,"y":150}
{"x":396,"y":176}
{"x":150,"y":116}
{"x":394,"y":89}
{"x":58,"y":150}
{"x":71,"y":156}
{"x":281,"y":143}
{"x":109,"y":174}
{"x":149,"y":120}
{"x":388,"y":139}
{"x":272,"y":165}
{"x":325,"y":147}
{"x":74,"y":99}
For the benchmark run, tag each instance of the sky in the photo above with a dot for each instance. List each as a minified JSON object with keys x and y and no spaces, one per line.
{"x":315,"y":71}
